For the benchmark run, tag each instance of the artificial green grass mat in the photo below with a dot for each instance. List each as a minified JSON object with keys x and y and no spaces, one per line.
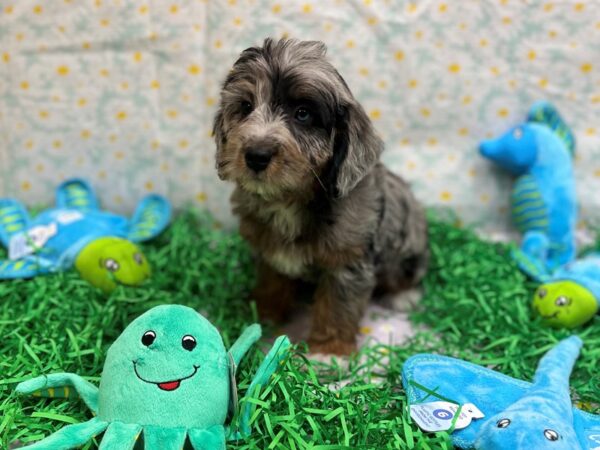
{"x":476,"y":307}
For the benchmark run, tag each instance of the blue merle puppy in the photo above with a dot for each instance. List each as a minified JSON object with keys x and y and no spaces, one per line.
{"x":312,"y":197}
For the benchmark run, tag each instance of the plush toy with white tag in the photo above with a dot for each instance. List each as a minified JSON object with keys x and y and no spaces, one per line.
{"x":517,"y":415}
{"x":100,"y":244}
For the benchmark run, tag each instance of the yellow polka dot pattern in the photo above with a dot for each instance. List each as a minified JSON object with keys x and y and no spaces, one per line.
{"x":123,"y":92}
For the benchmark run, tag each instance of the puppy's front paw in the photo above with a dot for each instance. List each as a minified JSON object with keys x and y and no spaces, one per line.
{"x":332,"y":347}
{"x":406,"y":300}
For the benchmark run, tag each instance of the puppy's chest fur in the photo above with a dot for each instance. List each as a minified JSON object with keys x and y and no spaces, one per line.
{"x":285,"y":224}
{"x":293,"y":240}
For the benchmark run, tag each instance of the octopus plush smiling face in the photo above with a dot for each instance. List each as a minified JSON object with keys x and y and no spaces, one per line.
{"x":169,"y":368}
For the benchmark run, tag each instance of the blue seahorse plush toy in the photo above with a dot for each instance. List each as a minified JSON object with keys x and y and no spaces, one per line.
{"x":100,"y":244}
{"x":539,"y":153}
{"x":517,"y":415}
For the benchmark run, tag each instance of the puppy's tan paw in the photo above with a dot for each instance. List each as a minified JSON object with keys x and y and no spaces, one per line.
{"x":406,"y":300}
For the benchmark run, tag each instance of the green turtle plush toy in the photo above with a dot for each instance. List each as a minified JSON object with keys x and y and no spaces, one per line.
{"x":101,"y":245}
{"x":168,"y":377}
{"x":570,"y":296}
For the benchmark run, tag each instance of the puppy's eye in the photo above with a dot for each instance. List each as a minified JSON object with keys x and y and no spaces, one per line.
{"x":246,"y":108}
{"x":303,"y":115}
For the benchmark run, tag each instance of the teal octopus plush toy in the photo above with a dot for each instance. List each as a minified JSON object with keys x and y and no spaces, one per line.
{"x":101,"y":245}
{"x":167,"y":378}
{"x":540,"y":153}
{"x":517,"y":415}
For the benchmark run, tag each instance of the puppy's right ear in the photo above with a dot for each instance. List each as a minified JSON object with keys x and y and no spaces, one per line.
{"x":311,"y":49}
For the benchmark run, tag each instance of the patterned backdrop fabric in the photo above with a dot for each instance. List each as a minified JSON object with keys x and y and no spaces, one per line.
{"x":123,"y":91}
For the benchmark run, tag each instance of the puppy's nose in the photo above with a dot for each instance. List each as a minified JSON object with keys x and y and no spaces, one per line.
{"x":258,"y":159}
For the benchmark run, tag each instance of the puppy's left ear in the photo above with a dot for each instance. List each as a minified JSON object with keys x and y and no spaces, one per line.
{"x":219,"y":135}
{"x":356,"y":149}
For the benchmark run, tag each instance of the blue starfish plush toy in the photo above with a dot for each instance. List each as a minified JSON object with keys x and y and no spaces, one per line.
{"x":100,"y":244}
{"x":517,"y":415}
{"x":539,"y":153}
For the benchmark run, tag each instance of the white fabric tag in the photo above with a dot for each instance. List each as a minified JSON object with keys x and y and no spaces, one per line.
{"x":438,"y":416}
{"x":68,"y":217}
{"x":24,"y":244}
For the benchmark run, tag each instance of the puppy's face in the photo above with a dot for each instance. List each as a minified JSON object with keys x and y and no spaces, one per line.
{"x":288,"y":124}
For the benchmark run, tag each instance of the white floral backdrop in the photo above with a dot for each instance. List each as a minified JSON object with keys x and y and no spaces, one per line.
{"x":122,"y":92}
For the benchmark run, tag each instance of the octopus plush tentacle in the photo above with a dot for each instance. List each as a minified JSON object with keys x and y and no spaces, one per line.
{"x":13,"y":219}
{"x":249,"y":336}
{"x":151,"y":217}
{"x":71,"y":436}
{"x":212,"y":438}
{"x":164,"y":438}
{"x":120,"y":436}
{"x":276,"y":357}
{"x":61,"y":385}
{"x":76,"y":194}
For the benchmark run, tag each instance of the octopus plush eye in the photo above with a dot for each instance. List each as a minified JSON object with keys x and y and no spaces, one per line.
{"x":518,"y":133}
{"x":503,"y":423}
{"x":561,"y":301}
{"x":148,"y":338}
{"x":188,"y":342}
{"x":138,"y":258}
{"x":111,"y":265}
{"x":551,"y":435}
{"x":542,"y":292}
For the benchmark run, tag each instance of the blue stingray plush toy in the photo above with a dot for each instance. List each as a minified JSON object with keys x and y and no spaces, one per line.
{"x":517,"y":415}
{"x":100,"y":244}
{"x":539,"y":153}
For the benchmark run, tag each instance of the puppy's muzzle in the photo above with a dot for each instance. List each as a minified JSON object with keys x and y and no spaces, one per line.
{"x":258,"y":159}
